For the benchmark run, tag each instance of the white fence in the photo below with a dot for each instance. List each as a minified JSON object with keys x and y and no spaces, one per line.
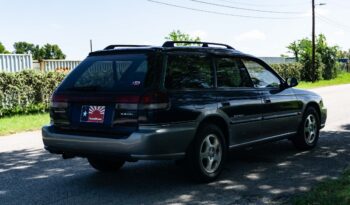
{"x":15,"y":62}
{"x":18,"y":62}
{"x":52,"y":65}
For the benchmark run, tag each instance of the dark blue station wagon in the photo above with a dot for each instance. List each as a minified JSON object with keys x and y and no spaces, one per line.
{"x":190,"y":101}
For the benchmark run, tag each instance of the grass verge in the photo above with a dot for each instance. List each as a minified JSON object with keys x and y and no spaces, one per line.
{"x":20,"y":123}
{"x":328,"y":192}
{"x":343,"y":78}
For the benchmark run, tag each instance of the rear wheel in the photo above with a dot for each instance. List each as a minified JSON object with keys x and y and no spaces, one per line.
{"x":208,"y":153}
{"x":104,"y":165}
{"x":309,"y":130}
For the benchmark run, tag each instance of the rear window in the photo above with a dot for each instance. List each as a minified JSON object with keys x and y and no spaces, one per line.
{"x":109,"y":73}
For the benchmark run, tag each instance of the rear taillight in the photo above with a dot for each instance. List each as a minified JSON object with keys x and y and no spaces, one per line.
{"x":154,"y":101}
{"x":59,"y":110}
{"x":149,"y":101}
{"x":59,"y":101}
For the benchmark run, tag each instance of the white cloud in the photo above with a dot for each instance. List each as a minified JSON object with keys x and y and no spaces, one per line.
{"x":251,"y":35}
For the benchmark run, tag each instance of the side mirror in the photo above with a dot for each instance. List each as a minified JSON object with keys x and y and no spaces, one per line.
{"x":292,"y":82}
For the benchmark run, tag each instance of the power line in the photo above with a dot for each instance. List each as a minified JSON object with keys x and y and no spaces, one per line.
{"x":223,"y":14}
{"x":333,"y":22}
{"x":263,"y":5}
{"x":246,"y":9}
{"x":330,"y":21}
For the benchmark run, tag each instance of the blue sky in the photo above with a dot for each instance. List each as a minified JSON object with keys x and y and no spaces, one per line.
{"x":72,"y":23}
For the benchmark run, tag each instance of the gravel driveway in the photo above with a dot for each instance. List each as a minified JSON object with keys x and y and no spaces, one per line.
{"x":266,"y":174}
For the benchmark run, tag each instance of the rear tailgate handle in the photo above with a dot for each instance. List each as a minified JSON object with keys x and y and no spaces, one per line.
{"x":267,"y":100}
{"x":225,"y":104}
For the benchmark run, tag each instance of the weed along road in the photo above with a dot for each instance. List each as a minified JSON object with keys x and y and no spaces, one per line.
{"x":266,"y":173}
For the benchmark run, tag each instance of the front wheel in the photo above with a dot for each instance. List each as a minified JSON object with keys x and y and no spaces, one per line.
{"x":207,"y":155}
{"x":104,"y":165}
{"x":309,"y":130}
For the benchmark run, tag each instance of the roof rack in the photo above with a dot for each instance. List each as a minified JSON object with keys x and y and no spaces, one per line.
{"x":124,"y":46}
{"x":170,"y":44}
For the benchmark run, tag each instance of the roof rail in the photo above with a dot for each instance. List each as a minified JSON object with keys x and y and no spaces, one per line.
{"x":170,"y":44}
{"x":124,"y":46}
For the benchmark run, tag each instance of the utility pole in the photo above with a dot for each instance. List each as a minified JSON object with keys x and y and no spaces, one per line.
{"x":313,"y":66}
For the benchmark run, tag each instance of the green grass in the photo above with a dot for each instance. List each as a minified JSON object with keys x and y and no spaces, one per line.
{"x":328,"y":192}
{"x":20,"y":123}
{"x":343,"y":78}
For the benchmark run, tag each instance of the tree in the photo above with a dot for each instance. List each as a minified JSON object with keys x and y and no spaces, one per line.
{"x":329,"y":57}
{"x":294,"y":49}
{"x":177,"y":35}
{"x":49,"y":51}
{"x":3,"y":49}
{"x":326,"y":58}
{"x":24,"y":48}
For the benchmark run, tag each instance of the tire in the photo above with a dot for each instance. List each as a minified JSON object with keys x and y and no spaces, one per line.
{"x":103,"y":165}
{"x":309,"y":130}
{"x":207,"y":154}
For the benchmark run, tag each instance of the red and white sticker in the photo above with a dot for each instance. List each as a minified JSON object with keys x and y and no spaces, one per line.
{"x":94,"y":114}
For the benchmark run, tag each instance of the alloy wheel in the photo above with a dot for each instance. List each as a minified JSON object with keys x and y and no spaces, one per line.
{"x":210,"y":153}
{"x":310,"y":129}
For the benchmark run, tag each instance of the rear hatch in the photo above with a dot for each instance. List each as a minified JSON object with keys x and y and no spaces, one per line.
{"x":104,"y":94}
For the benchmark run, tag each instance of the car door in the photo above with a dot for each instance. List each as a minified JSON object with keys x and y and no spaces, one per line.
{"x":189,"y":81}
{"x":280,"y":105}
{"x":238,"y":99}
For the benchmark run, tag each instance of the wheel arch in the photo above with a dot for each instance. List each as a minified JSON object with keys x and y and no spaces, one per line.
{"x":218,"y":121}
{"x":316,"y":106}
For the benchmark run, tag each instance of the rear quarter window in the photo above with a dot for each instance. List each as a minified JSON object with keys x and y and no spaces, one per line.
{"x":189,"y":71}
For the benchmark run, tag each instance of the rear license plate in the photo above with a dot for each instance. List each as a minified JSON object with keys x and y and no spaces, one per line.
{"x":92,"y":113}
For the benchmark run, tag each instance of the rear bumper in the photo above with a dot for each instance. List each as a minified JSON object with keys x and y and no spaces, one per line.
{"x":149,"y":142}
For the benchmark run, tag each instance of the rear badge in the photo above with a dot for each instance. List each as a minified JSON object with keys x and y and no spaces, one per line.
{"x":136,"y":83}
{"x":93,"y":114}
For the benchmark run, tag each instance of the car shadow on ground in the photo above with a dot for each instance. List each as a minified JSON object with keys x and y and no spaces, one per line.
{"x":266,"y":173}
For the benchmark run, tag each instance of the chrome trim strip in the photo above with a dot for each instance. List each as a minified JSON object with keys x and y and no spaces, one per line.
{"x":168,"y":124}
{"x":245,"y":120}
{"x":280,"y":116}
{"x":262,"y":140}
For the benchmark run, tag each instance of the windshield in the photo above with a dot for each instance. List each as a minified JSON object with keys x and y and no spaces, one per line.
{"x":109,"y":73}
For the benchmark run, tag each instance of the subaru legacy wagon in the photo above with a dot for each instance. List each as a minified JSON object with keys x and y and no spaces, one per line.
{"x":189,"y":101}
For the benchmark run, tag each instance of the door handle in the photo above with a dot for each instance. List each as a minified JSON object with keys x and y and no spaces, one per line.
{"x":267,"y":100}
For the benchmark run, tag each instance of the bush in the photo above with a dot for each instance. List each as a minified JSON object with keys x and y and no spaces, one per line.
{"x":307,"y":74}
{"x":27,"y":91}
{"x":329,"y":59}
{"x":288,"y":70}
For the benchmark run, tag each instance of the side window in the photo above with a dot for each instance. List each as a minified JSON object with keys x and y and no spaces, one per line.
{"x":230,"y":73}
{"x":188,"y":71}
{"x":261,"y":77}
